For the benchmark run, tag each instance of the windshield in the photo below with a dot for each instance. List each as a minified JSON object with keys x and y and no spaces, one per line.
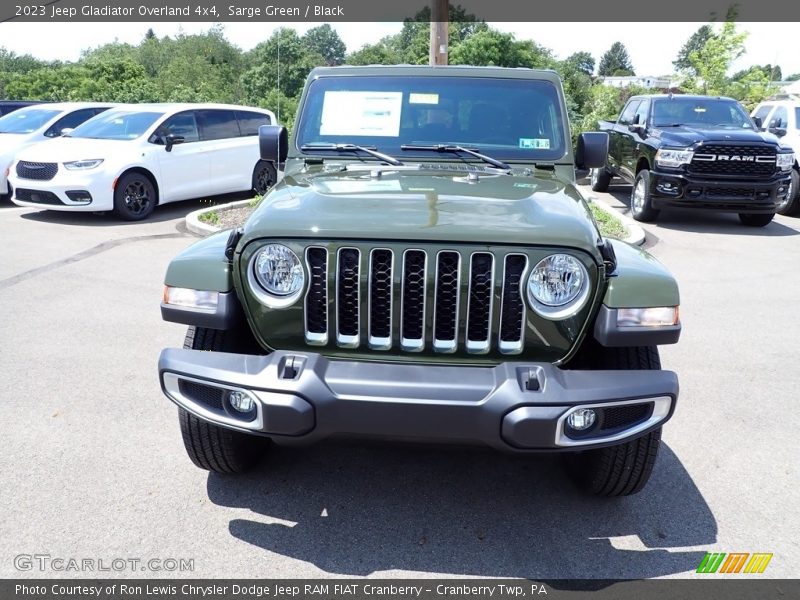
{"x":26,"y":120}
{"x":507,"y":118}
{"x":117,"y":125}
{"x":700,"y":112}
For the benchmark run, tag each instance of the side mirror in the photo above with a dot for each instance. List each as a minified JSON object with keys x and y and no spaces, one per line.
{"x":592,"y":150}
{"x":67,"y":130}
{"x":171,"y":140}
{"x":634,"y":127}
{"x":758,"y":122}
{"x":779,"y":131}
{"x":273,"y":142}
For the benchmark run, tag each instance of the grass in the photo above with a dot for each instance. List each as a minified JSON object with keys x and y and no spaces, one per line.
{"x":210,"y":218}
{"x":609,"y":225}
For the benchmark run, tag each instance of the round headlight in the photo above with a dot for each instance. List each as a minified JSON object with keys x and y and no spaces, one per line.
{"x":557,"y":286}
{"x":278,"y":270}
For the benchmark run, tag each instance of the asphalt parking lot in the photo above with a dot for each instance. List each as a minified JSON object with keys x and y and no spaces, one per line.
{"x":92,"y":465}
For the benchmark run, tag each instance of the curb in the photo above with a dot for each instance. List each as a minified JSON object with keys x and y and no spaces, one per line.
{"x":196,"y":226}
{"x":636,"y":234}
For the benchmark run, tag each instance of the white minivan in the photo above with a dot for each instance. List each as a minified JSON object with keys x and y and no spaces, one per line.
{"x":782,"y":118}
{"x":37,"y":123}
{"x":135,"y":157}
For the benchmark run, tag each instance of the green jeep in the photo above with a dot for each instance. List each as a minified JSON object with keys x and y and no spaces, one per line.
{"x":425,"y":271}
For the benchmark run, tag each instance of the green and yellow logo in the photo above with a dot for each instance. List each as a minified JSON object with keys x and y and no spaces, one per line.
{"x":735,"y":562}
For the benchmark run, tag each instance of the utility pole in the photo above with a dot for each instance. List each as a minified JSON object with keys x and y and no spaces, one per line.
{"x":440,"y":17}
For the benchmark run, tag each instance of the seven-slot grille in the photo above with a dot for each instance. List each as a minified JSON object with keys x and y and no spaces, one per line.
{"x":742,"y":160}
{"x":36,"y":170}
{"x":408,"y":327}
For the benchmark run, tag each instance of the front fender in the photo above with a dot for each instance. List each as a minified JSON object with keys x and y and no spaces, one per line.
{"x":203,"y":266}
{"x":638,"y":281}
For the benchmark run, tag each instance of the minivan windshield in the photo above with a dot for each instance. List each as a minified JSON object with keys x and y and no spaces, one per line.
{"x":699,"y":112}
{"x":26,"y":120}
{"x":117,"y":125}
{"x":506,"y":118}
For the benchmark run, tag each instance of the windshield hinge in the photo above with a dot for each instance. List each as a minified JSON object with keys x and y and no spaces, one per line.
{"x":233,"y":241}
{"x":609,"y":257}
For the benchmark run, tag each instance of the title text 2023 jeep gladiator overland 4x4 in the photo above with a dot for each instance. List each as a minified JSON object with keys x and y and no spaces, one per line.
{"x":426,"y":270}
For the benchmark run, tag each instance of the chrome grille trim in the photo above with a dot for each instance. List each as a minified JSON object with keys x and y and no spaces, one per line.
{"x":413,"y":344}
{"x":348,"y":340}
{"x":512,"y":346}
{"x":379,"y":342}
{"x":451,"y":343}
{"x":316,"y":338}
{"x":480,"y":346}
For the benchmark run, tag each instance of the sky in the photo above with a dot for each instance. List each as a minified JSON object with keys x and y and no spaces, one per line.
{"x":767,"y":43}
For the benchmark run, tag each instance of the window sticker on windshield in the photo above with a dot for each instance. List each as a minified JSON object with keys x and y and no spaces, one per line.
{"x":414,"y":98}
{"x":361,"y":114}
{"x":534,"y":143}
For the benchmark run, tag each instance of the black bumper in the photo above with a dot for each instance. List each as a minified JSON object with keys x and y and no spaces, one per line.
{"x":681,"y":190}
{"x":303,"y":397}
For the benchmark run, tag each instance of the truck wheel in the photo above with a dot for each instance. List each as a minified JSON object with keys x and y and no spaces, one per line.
{"x":791,"y":205}
{"x":599,"y":180}
{"x":641,"y":203}
{"x":756,"y":220}
{"x":623,"y":469}
{"x":211,"y":447}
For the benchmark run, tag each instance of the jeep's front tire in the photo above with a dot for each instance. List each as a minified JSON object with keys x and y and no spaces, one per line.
{"x":209,"y":446}
{"x":623,"y":469}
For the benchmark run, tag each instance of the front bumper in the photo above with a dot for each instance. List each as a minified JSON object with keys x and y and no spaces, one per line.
{"x":517,"y":406}
{"x":682,"y":190}
{"x":60,"y":192}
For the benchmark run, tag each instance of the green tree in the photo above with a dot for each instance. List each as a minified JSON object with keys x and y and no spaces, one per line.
{"x":492,"y":47}
{"x":709,"y":65}
{"x":324,"y":41}
{"x":616,"y":61}
{"x":281,"y":63}
{"x":581,"y":61}
{"x":380,"y":53}
{"x":693,"y":44}
{"x":793,"y":77}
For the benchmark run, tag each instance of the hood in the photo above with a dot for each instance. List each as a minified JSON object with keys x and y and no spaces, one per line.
{"x":685,"y":136}
{"x":13,"y":143}
{"x":64,"y":149}
{"x":411,"y":203}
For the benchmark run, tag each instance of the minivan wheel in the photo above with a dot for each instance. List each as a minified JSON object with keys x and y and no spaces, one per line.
{"x":264,"y":177}
{"x":134,"y":197}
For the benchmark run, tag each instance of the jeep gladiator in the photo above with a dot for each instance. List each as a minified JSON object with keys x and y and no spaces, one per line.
{"x":426,"y":271}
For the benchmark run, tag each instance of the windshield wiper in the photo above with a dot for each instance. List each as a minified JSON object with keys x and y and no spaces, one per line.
{"x":670,"y":125}
{"x":455,"y":149}
{"x":354,"y":148}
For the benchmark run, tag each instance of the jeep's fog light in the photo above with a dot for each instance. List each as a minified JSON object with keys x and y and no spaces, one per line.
{"x":278,"y":270}
{"x":659,"y":316}
{"x":558,"y":286}
{"x":199,"y":299}
{"x":581,"y":419}
{"x":241,"y":401}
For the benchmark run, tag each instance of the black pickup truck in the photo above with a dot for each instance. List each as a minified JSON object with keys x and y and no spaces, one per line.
{"x":695,"y":152}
